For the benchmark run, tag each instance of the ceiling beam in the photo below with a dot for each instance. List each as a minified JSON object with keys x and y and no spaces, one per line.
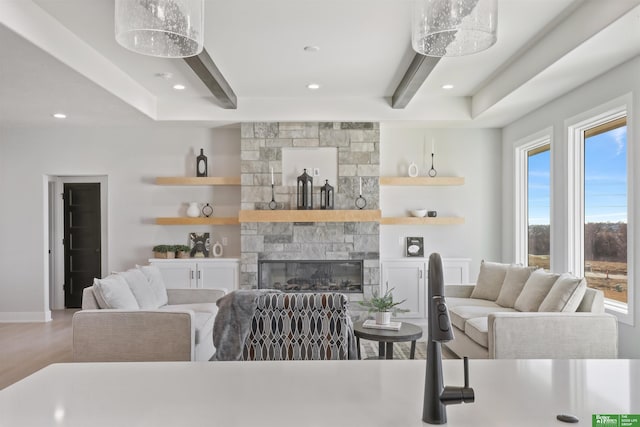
{"x":418,"y":71}
{"x":206,"y":70}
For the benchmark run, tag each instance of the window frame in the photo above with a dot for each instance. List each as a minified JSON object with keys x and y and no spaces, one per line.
{"x":521,"y":180}
{"x":576,"y":128}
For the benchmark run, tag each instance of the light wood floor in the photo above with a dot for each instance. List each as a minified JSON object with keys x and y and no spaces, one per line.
{"x":28,"y":347}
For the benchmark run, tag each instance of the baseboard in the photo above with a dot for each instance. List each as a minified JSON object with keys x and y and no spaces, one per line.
{"x":25,"y":316}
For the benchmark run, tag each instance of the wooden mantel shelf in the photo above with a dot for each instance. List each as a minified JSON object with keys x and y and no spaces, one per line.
{"x":365,"y":215}
{"x":198,"y":221}
{"x":408,"y":220}
{"x":422,"y":180}
{"x":194,"y":180}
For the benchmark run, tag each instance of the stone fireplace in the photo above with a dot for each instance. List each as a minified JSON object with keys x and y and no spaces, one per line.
{"x":311,"y":275}
{"x":358,"y":159}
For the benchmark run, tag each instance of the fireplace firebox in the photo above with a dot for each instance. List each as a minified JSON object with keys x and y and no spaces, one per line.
{"x":311,"y":276}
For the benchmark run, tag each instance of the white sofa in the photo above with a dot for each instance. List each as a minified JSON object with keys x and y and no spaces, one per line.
{"x":514,"y":312}
{"x":131,"y":316}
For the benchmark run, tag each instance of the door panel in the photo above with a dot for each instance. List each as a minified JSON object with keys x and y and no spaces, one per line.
{"x":82,"y":240}
{"x":408,"y":281}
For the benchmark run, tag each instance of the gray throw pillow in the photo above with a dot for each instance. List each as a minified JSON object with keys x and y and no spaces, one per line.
{"x":113,"y":292}
{"x":565,"y":295}
{"x":489,"y":280}
{"x":513,"y":283}
{"x":535,"y":290}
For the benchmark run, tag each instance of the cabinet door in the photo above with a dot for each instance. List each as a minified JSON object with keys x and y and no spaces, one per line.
{"x":178,"y":275}
{"x":407,"y":278}
{"x":218,"y":275}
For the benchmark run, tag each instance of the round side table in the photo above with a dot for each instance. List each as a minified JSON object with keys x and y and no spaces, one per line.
{"x":408,"y":332}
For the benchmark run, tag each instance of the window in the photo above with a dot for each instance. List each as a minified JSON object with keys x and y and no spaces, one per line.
{"x":533,"y":200}
{"x":538,"y":206}
{"x":600,"y":203}
{"x":605,"y":208}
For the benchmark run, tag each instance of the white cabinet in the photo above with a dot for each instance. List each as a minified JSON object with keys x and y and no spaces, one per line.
{"x":199,"y":272}
{"x":408,"y":277}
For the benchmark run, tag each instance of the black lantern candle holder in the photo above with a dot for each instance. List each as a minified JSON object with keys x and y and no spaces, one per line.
{"x":304,"y":191}
{"x":326,"y":196}
{"x":201,"y":164}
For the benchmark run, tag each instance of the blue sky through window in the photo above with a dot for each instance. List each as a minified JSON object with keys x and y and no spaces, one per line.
{"x":539,"y":187}
{"x":605,"y":186}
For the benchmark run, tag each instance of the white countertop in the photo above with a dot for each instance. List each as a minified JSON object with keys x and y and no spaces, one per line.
{"x":323,"y":393}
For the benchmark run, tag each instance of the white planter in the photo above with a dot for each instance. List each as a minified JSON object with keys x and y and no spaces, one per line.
{"x":193,"y":211}
{"x":383,"y":317}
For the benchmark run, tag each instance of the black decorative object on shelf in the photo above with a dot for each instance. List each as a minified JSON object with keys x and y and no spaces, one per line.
{"x":326,"y":196}
{"x":304,"y":191}
{"x":432,"y":172}
{"x":207,"y":210}
{"x":272,"y":203}
{"x":361,"y":202}
{"x":201,"y":164}
{"x":432,"y":214}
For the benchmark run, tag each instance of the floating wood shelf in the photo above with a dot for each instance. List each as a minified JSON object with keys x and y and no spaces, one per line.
{"x":198,"y":221}
{"x":365,"y":215}
{"x":409,"y":220}
{"x":422,"y":180}
{"x":194,"y":180}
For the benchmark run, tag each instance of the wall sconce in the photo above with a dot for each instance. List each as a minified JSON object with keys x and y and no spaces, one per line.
{"x":326,"y":196}
{"x":305,"y":188}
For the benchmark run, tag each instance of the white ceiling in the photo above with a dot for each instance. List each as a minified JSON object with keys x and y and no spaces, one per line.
{"x":60,"y":55}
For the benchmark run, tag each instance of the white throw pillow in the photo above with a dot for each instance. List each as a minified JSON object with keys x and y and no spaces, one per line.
{"x":154,"y":277}
{"x":535,"y":290}
{"x":489,"y":280}
{"x":565,"y":295}
{"x":113,"y":292}
{"x":142,"y":291}
{"x":513,"y":283}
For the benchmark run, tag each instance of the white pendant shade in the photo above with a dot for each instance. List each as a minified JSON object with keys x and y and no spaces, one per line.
{"x":454,"y":27}
{"x":163,"y":28}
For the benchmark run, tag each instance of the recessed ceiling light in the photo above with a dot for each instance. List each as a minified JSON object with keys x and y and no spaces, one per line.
{"x":179,"y":87}
{"x":311,"y":49}
{"x":60,"y":115}
{"x":313,"y":86}
{"x":447,"y":86}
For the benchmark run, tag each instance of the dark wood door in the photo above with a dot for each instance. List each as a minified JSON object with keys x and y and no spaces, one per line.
{"x":81,"y":240}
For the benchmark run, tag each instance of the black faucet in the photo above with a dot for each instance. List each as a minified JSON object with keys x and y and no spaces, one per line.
{"x":436,"y":395}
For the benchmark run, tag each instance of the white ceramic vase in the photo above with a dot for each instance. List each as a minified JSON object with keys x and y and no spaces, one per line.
{"x":383,"y":317}
{"x":193,"y":210}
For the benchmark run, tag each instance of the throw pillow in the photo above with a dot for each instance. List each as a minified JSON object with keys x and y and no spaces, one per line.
{"x":565,"y":295}
{"x":154,"y":277}
{"x":142,"y":291}
{"x":535,"y":290}
{"x":489,"y":280}
{"x":113,"y":292}
{"x":513,"y":283}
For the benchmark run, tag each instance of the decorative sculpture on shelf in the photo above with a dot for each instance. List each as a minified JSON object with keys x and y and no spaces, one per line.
{"x":326,"y":196}
{"x":304,"y":191}
{"x":201,"y":164}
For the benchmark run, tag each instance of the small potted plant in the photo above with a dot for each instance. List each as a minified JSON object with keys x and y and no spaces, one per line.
{"x":164,"y":251}
{"x":383,"y":307}
{"x":183,"y":251}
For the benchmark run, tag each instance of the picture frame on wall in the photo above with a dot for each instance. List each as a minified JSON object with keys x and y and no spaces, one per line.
{"x":200,"y":245}
{"x":415,"y":247}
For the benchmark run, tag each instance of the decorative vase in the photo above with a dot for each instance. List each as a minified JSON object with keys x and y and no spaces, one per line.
{"x":413,"y":170}
{"x":201,"y":164}
{"x":383,"y":317}
{"x":193,"y":210}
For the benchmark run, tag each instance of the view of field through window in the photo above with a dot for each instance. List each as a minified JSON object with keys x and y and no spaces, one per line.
{"x":605,"y":209}
{"x":538,"y":206}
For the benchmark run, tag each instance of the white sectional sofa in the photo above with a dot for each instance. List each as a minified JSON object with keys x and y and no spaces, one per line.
{"x":514,"y":312}
{"x":131,"y":316}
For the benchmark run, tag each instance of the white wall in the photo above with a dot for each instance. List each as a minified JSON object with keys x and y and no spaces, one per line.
{"x":131,"y":158}
{"x":474,"y":154}
{"x":620,"y":81}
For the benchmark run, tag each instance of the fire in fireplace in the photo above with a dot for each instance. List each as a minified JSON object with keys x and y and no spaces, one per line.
{"x":311,"y":276}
